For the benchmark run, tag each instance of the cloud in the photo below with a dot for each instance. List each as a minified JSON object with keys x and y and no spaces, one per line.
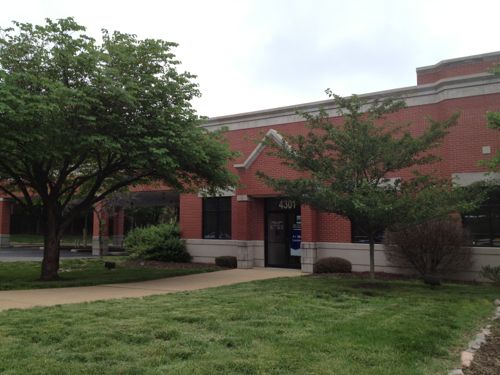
{"x":255,"y":54}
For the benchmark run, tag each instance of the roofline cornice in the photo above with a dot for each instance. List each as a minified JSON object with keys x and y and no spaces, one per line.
{"x":482,"y":56}
{"x":444,"y":89}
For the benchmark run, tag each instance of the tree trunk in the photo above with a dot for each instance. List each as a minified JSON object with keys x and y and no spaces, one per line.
{"x":52,"y":239}
{"x":372,"y":256}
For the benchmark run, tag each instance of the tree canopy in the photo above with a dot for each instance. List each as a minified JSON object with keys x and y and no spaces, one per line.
{"x":494,"y":123}
{"x":80,"y":120}
{"x":346,"y":167}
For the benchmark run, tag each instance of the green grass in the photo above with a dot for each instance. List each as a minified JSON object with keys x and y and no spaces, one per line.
{"x":80,"y":272}
{"x":309,"y":325}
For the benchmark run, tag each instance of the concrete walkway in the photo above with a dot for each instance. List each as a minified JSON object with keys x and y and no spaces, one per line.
{"x":24,"y":299}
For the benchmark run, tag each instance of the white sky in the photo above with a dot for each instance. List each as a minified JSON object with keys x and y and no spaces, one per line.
{"x":251,"y":55}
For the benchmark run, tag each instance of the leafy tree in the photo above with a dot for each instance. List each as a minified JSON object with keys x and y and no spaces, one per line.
{"x":80,"y":120}
{"x":493,"y":118}
{"x":345,"y":167}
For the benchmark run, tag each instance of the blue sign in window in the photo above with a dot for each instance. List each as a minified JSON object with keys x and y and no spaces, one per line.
{"x":296,"y":237}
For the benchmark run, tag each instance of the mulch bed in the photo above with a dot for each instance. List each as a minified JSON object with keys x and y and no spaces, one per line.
{"x":166,"y":265}
{"x":487,"y":359}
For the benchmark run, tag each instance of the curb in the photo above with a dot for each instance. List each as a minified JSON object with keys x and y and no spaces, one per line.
{"x":467,"y":356}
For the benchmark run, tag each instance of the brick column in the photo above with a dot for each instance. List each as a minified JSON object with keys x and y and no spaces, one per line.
{"x":308,"y":245}
{"x":190,"y":216}
{"x":5,"y":212}
{"x":118,"y":226}
{"x":100,"y":223}
{"x":240,"y":226}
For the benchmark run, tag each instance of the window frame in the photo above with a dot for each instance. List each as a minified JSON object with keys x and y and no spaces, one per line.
{"x":220,"y":210}
{"x":489,"y":208}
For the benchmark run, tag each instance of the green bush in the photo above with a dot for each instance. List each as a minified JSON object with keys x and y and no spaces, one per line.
{"x":491,"y":273}
{"x":332,"y":265}
{"x":157,"y":242}
{"x":226,"y":261}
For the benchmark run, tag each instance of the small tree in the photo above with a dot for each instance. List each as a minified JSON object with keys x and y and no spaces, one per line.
{"x":80,"y":120}
{"x":435,"y":247}
{"x":493,"y":118}
{"x":345,"y":167}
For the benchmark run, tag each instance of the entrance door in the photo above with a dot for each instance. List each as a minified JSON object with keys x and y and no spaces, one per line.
{"x":282,"y":231}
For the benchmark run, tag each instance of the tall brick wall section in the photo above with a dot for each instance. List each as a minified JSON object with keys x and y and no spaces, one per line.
{"x":310,"y":228}
{"x":333,"y":228}
{"x":190,"y":207}
{"x":5,"y":213}
{"x":256,"y":222}
{"x":240,"y":219}
{"x":456,"y":69}
{"x":460,"y":152}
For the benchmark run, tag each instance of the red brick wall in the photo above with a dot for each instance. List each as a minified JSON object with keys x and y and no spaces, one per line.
{"x":333,"y":228}
{"x":256,"y":223}
{"x":190,"y":207}
{"x":461,"y":68}
{"x":310,"y":228}
{"x":5,"y":211}
{"x":460,"y":152}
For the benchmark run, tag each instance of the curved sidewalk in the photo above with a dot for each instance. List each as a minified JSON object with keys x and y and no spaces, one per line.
{"x":25,"y":299}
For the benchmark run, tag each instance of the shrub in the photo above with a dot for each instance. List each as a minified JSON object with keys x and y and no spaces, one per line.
{"x":332,"y":265}
{"x":226,"y":261}
{"x":491,"y":273}
{"x":435,"y":247}
{"x":157,"y":242}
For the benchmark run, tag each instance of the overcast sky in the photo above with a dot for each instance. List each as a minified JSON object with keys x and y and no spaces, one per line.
{"x":251,"y":55}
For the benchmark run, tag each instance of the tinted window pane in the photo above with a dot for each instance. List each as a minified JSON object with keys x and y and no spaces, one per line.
{"x":210,"y":225}
{"x":210,"y":204}
{"x":217,"y":218}
{"x":495,"y":225}
{"x":484,"y":224}
{"x":478,"y":225}
{"x":225,"y":226}
{"x":224,"y":204}
{"x":359,"y":235}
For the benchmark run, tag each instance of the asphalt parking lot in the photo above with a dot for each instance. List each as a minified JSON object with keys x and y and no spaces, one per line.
{"x":17,"y":254}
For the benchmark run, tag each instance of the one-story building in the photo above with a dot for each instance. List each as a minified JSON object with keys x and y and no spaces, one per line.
{"x":264,"y":229}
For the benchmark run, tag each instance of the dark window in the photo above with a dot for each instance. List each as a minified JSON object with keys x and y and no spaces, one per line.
{"x":484,"y":224}
{"x":360,"y":235}
{"x":217,"y":218}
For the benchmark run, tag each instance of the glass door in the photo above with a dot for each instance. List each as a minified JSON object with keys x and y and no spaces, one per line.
{"x":282,"y":231}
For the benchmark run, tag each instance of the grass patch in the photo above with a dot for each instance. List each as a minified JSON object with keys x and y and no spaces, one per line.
{"x":80,"y":272}
{"x":308,"y":325}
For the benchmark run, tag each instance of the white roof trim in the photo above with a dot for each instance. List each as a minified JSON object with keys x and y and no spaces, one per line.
{"x":229,"y":192}
{"x":272,"y":134}
{"x":431,"y":93}
{"x":465,"y":59}
{"x":466,"y":179}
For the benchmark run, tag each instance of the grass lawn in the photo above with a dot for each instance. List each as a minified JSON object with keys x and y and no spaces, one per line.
{"x":308,"y":325}
{"x":79,"y":272}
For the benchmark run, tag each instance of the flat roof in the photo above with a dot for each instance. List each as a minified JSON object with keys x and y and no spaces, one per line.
{"x":482,"y":56}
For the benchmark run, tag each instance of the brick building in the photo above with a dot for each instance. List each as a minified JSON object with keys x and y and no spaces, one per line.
{"x":254,"y":224}
{"x":263,"y":229}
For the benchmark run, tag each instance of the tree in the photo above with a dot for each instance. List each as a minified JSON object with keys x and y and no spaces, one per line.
{"x":345,"y":167}
{"x":493,"y":118}
{"x":80,"y":120}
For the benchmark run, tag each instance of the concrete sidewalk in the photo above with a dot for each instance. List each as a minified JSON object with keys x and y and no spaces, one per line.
{"x":24,"y":299}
